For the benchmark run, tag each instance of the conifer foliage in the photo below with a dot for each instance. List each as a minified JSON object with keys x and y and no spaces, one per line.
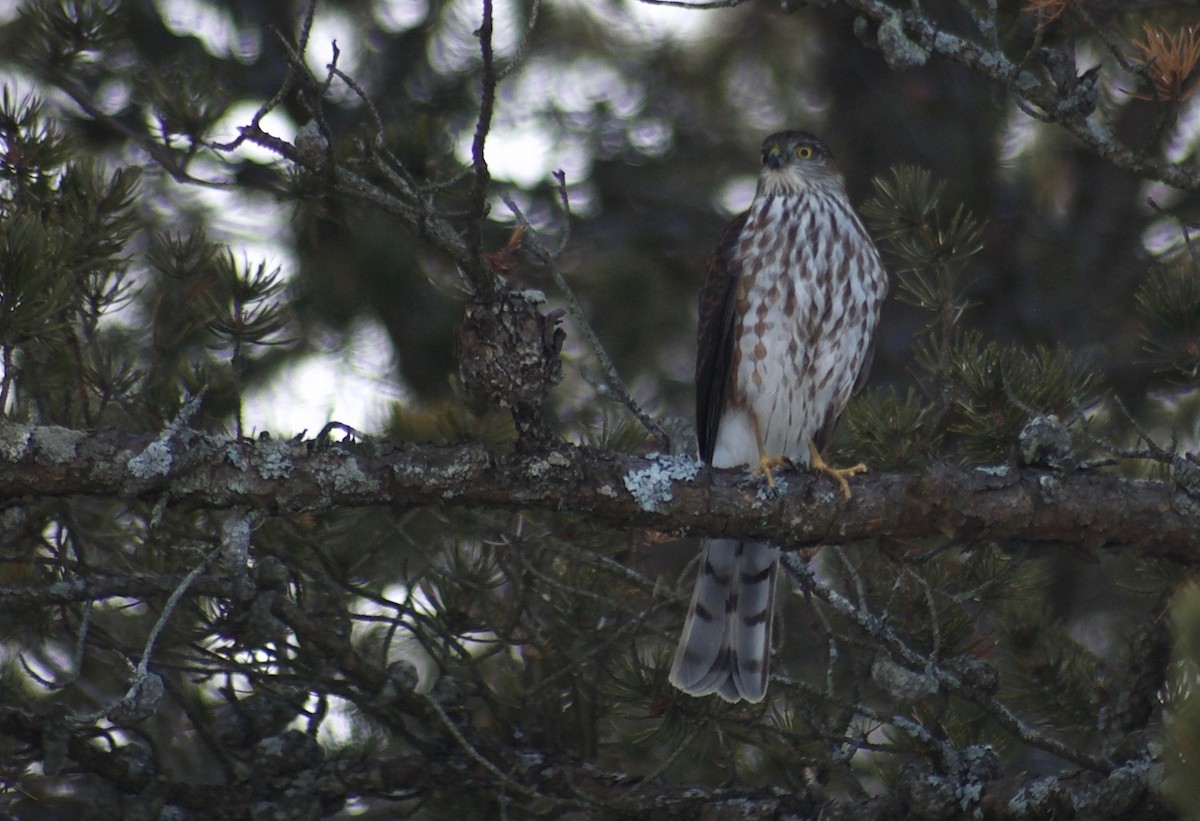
{"x":468,"y":608}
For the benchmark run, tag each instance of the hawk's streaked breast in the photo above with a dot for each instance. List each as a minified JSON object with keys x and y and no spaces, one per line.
{"x":805,"y":308}
{"x":787,"y":313}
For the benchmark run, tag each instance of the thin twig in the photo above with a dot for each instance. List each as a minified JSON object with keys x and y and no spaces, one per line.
{"x":420,"y":217}
{"x":519,"y":55}
{"x":295,"y":69}
{"x":163,"y":155}
{"x":878,"y":628}
{"x":382,"y":159}
{"x":612,"y":379}
{"x":475,"y":755}
{"x":683,"y":4}
{"x":478,"y":269}
{"x":1034,"y":97}
{"x":141,"y":672}
{"x":1185,"y":470}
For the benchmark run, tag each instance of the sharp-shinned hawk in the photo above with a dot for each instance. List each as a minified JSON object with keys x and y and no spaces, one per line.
{"x":787,"y":320}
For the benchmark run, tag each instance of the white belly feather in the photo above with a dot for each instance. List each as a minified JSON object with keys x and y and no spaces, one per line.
{"x":802,"y":338}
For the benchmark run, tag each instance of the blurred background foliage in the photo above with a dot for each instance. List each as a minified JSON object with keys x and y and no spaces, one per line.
{"x":1031,"y":278}
{"x":655,"y":115}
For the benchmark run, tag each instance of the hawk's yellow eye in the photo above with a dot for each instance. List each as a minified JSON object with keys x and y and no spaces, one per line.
{"x":804,"y":152}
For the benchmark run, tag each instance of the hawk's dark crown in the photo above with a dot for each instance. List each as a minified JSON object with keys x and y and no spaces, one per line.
{"x":788,"y":146}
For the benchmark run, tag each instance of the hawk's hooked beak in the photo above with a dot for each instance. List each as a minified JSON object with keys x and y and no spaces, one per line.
{"x":775,"y":159}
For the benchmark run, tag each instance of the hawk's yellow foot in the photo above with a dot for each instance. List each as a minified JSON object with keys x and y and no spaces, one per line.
{"x":765,"y":463}
{"x":788,"y":311}
{"x":768,"y":463}
{"x":838,"y":474}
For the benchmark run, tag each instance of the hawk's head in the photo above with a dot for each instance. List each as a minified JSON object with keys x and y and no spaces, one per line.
{"x":796,"y":162}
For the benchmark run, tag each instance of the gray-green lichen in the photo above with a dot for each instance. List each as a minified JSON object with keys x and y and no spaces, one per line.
{"x":448,"y":475}
{"x":273,"y":459}
{"x":235,"y":456}
{"x":906,"y":686}
{"x":1116,"y":795}
{"x":1035,"y":798}
{"x":981,"y":764}
{"x":348,"y":477}
{"x":770,"y":491}
{"x":155,"y":460}
{"x":14,"y":441}
{"x":541,"y":467}
{"x":235,"y":542}
{"x":56,"y":444}
{"x":898,"y":49}
{"x":651,"y":486}
{"x":1046,"y":441}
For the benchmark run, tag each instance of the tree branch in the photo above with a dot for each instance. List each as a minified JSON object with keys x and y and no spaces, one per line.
{"x":1085,"y":510}
{"x":909,"y":38}
{"x":479,"y":270}
{"x":593,"y":793}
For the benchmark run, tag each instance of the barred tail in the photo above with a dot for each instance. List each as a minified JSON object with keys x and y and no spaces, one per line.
{"x":726,"y":642}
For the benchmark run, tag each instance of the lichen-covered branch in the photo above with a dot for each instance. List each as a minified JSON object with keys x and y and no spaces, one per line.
{"x":1085,"y":510}
{"x":909,"y":38}
{"x":293,"y":759}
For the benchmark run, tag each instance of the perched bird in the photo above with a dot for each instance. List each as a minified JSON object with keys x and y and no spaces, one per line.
{"x":787,"y":321}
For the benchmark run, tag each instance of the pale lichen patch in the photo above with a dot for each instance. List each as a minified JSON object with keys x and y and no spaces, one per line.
{"x":236,"y":458}
{"x":273,"y":459}
{"x":154,"y":461}
{"x":538,"y":468}
{"x":651,"y":486}
{"x":442,"y":474}
{"x":56,"y":444}
{"x":768,"y":492}
{"x":14,"y":441}
{"x":348,"y":477}
{"x":1034,"y":798}
{"x":898,"y":48}
{"x":157,"y":458}
{"x":235,"y":541}
{"x":554,"y":460}
{"x":238,"y":484}
{"x":904,"y":685}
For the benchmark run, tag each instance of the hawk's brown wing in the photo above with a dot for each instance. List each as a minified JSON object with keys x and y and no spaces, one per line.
{"x":714,"y":337}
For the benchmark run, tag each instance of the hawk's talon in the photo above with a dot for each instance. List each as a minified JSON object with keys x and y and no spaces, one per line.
{"x":838,"y":475}
{"x":766,"y":464}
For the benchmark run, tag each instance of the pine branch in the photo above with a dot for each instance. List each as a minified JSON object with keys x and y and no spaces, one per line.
{"x":910,"y":38}
{"x":1085,"y":510}
{"x":589,"y":792}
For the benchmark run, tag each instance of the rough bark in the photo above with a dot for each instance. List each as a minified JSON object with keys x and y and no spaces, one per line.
{"x":1086,"y":510}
